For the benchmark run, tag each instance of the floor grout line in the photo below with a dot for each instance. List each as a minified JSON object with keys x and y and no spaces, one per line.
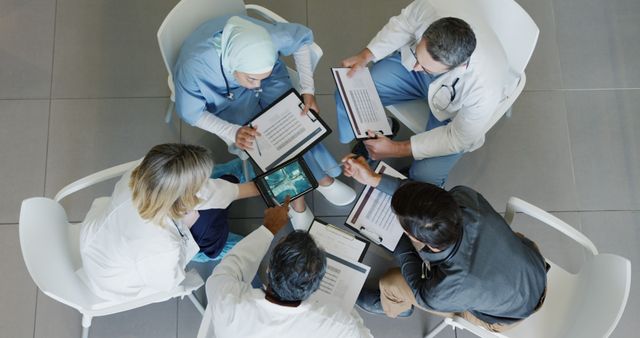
{"x":35,"y":313}
{"x":53,"y":54}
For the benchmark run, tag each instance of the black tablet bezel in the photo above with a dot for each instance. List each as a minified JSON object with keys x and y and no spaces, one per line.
{"x":264,"y":189}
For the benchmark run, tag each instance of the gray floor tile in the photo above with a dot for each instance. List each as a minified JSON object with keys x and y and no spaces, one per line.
{"x":189,"y":319}
{"x":527,"y":156}
{"x":554,"y":246}
{"x":87,"y":136}
{"x":194,"y":135}
{"x":56,"y":320}
{"x":619,"y":233}
{"x":464,"y":334}
{"x":417,"y":325}
{"x":23,"y":145}
{"x":543,"y":71}
{"x":605,"y":140}
{"x":359,"y":21}
{"x":595,"y":43}
{"x":109,"y":49}
{"x":290,"y":10}
{"x":17,"y":290}
{"x":155,"y":320}
{"x":26,"y":37}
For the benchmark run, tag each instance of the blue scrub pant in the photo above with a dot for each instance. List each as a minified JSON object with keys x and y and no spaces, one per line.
{"x":248,"y":104}
{"x":395,"y":85}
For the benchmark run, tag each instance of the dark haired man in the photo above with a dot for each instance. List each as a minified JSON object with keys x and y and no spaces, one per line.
{"x":458,"y":256}
{"x":296,"y":268}
{"x":461,"y":72}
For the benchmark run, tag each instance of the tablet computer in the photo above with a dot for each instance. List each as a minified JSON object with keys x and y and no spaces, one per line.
{"x":292,"y":178}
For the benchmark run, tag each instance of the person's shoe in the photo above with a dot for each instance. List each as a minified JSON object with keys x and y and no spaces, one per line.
{"x":360,"y":150}
{"x":369,"y":301}
{"x":395,"y":126}
{"x":301,"y":220}
{"x":337,"y":193}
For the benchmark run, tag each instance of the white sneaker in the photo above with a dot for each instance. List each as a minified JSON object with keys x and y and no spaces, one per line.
{"x":337,"y":193}
{"x":301,"y":220}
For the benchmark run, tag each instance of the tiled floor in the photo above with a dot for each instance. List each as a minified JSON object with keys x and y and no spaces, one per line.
{"x":83,"y":87}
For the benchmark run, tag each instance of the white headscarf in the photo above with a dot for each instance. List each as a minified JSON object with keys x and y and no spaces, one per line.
{"x":246,"y":47}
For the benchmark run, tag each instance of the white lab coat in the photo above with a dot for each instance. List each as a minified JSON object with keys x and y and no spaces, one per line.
{"x":481,"y":87}
{"x":236,"y":309}
{"x":126,"y":257}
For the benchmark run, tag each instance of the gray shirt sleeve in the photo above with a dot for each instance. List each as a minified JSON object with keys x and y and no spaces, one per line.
{"x":389,"y":184}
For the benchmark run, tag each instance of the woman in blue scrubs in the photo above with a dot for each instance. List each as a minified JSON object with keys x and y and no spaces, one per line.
{"x":229,"y":70}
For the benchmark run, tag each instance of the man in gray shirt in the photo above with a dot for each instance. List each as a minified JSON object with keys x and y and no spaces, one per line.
{"x":458,"y":256}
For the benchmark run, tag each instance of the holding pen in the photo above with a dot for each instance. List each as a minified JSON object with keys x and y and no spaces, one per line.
{"x":256,"y":140}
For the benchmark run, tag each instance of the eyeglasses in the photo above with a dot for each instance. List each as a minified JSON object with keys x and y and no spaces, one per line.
{"x":413,"y":52}
{"x":443,"y":97}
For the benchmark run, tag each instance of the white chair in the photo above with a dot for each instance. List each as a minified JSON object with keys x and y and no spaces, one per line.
{"x":50,"y":247}
{"x":588,"y":304}
{"x":188,"y":15}
{"x":516,"y":32}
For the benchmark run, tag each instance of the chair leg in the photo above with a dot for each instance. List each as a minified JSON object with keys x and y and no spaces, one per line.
{"x":86,"y":324}
{"x":196,"y":303}
{"x":437,"y":330}
{"x":167,"y":118}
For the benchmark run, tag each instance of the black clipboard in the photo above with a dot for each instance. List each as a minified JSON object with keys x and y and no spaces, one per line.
{"x":313,"y":116}
{"x":366,"y":243}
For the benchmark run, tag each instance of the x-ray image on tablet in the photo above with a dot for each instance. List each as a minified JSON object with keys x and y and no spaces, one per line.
{"x":291,"y":179}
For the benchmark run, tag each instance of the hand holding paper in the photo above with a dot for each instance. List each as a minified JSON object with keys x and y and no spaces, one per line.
{"x":381,"y":147}
{"x":309,"y":103}
{"x":357,"y":61}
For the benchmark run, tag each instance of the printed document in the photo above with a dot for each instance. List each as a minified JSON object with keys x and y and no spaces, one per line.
{"x":337,"y":241}
{"x":361,"y":100}
{"x":372,"y":215}
{"x":285,"y":133}
{"x":344,"y":276}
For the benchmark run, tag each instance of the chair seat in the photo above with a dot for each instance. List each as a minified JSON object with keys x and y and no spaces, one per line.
{"x":551,"y":319}
{"x":413,"y":114}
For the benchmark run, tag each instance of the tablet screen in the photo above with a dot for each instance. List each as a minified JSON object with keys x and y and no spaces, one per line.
{"x":289,"y":180}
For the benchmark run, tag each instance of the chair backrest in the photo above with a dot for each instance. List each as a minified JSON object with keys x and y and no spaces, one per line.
{"x":600,"y":298}
{"x":184,"y":18}
{"x":47,"y":251}
{"x":513,"y":27}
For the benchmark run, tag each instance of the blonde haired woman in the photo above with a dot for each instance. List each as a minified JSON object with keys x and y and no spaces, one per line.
{"x":160,"y":215}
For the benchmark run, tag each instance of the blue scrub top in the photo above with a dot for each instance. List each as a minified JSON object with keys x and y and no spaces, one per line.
{"x":199,"y":84}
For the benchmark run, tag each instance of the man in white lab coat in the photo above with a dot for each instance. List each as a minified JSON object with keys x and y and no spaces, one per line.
{"x":296,"y":268}
{"x":461,"y":71}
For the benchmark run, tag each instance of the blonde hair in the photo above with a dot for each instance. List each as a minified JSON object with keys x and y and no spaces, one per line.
{"x":167,"y":181}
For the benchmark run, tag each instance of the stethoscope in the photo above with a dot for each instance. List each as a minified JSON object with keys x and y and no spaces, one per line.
{"x":183,"y":237}
{"x":230,"y":96}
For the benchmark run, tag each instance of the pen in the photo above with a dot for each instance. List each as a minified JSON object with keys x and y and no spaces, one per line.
{"x":256,"y":139}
